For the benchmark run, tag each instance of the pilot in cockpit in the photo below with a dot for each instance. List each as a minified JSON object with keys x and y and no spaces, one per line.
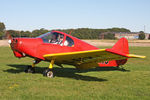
{"x":54,"y":39}
{"x":60,"y":39}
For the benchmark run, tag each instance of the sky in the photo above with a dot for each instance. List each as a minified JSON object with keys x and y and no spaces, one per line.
{"x":65,"y":14}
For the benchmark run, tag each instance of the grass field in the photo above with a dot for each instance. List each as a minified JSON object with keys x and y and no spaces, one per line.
{"x":70,"y":84}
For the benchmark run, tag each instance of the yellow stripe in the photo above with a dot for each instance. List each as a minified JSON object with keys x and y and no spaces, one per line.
{"x":135,"y":56}
{"x":70,"y":53}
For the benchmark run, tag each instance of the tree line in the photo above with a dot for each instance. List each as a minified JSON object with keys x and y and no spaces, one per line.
{"x":89,"y":33}
{"x":81,"y":33}
{"x":2,"y":29}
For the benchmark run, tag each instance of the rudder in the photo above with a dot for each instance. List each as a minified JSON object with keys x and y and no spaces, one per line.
{"x":121,"y":46}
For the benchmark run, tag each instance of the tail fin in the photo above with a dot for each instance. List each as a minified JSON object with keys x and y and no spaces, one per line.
{"x":122,"y":46}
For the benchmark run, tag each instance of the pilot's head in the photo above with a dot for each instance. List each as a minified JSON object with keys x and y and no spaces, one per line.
{"x":54,"y":36}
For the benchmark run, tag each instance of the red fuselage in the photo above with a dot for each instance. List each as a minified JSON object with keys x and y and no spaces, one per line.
{"x":36,"y":48}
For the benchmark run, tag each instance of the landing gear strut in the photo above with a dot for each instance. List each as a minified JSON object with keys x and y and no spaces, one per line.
{"x":48,"y":72}
{"x":31,"y":69}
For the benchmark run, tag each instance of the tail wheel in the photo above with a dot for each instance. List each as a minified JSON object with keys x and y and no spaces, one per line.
{"x":48,"y":73}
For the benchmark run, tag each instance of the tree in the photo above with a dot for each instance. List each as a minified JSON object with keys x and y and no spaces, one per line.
{"x":38,"y":32}
{"x":88,"y":33}
{"x":109,"y":36}
{"x":142,"y":35}
{"x":2,"y":29}
{"x":1,"y":35}
{"x":25,"y":34}
{"x":118,"y":30}
{"x":13,"y":33}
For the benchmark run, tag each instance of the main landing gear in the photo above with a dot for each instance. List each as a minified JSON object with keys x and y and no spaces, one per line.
{"x":48,"y":72}
{"x":31,"y":69}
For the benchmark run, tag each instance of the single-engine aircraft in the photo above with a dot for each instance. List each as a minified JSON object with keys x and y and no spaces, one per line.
{"x":60,"y":48}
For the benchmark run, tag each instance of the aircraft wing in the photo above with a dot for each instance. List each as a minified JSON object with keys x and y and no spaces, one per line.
{"x":88,"y":59}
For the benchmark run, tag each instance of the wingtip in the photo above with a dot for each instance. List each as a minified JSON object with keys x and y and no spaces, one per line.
{"x":135,"y":56}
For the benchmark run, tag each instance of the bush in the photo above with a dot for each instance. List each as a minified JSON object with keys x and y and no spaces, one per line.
{"x":141,"y":36}
{"x":109,"y":36}
{"x":1,"y":35}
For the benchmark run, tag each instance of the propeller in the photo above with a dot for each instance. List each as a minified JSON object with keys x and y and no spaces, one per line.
{"x":9,"y":37}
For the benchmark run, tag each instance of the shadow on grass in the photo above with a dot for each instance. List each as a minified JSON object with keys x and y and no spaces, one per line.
{"x":109,"y":69}
{"x":64,"y":72}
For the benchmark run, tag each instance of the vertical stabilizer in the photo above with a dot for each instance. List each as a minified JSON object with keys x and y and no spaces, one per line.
{"x":121,"y":46}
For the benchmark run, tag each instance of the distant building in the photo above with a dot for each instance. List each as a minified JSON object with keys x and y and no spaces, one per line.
{"x":127,"y":35}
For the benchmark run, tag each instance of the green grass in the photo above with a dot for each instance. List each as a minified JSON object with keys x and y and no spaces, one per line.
{"x":70,"y":84}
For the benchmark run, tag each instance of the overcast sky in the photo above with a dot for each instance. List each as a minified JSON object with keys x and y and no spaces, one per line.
{"x":64,"y":14}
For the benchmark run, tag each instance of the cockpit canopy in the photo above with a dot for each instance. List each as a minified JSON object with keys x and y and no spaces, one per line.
{"x":57,"y":38}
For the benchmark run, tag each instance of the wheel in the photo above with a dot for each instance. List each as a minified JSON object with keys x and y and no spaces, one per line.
{"x":30,"y":69}
{"x":48,"y":73}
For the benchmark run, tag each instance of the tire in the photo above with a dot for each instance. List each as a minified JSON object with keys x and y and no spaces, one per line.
{"x":48,"y":73}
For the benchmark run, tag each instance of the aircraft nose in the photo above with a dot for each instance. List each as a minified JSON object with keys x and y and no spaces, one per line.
{"x":13,"y":43}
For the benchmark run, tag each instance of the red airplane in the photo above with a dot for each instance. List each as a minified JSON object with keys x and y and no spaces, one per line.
{"x":61,"y":48}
